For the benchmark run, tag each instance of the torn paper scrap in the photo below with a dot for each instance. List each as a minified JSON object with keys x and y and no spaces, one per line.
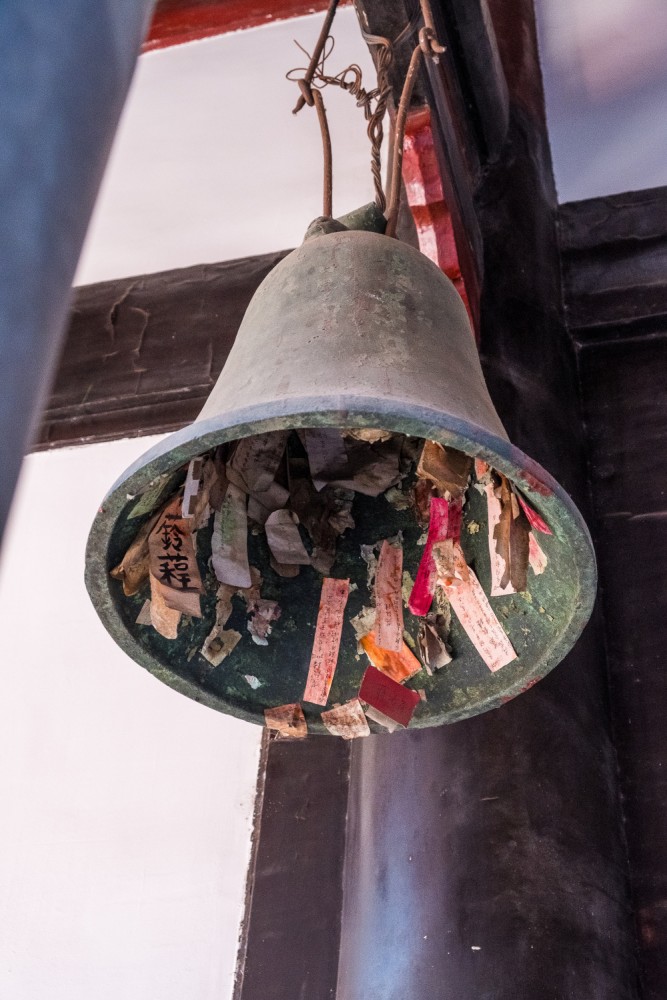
{"x":132,"y":571}
{"x":511,"y":537}
{"x":347,"y":721}
{"x":144,"y":616}
{"x":255,"y":460}
{"x":163,"y":619}
{"x":260,"y":505}
{"x":432,"y":648}
{"x":253,"y":681}
{"x":284,"y":539}
{"x":536,"y":557}
{"x":368,"y":434}
{"x":327,"y":457}
{"x":150,"y":498}
{"x":229,"y":541}
{"x":219,"y":644}
{"x":173,"y":561}
{"x":421,"y":597}
{"x":288,"y":721}
{"x":448,"y":468}
{"x":191,"y":487}
{"x":392,"y":699}
{"x":262,"y":614}
{"x":327,"y":640}
{"x":399,"y":665}
{"x":477,"y":618}
{"x":498,"y":562}
{"x":363,"y":623}
{"x":534,"y":519}
{"x":382,"y":720}
{"x":388,"y":597}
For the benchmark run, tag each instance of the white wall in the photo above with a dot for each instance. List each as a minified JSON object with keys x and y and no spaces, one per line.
{"x":604,"y":64}
{"x":126,"y":808}
{"x":209,"y":162}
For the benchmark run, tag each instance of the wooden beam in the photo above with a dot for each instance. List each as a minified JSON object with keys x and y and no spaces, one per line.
{"x":142,"y":354}
{"x":615,"y":263}
{"x":178,"y":21}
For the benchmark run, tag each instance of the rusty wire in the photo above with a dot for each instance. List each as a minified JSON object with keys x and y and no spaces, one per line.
{"x":315,"y":78}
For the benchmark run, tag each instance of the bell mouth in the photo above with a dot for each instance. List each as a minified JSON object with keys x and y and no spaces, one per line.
{"x":541,"y":622}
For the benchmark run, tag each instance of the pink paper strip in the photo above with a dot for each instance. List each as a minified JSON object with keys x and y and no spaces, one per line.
{"x":479,"y":621}
{"x":444,"y":522}
{"x":389,"y":598}
{"x":326,"y":644}
{"x":534,"y":518}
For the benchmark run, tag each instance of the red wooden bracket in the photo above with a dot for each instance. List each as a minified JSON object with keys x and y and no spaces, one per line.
{"x":178,"y":21}
{"x":423,"y":185}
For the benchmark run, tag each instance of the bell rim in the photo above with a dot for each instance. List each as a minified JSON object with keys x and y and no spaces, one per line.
{"x":544,"y":492}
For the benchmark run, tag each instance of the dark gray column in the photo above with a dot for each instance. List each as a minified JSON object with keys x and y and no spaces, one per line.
{"x":65,"y":68}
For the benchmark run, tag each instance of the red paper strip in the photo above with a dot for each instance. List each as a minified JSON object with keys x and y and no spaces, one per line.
{"x":326,"y":644}
{"x":389,"y":598}
{"x":444,"y":522}
{"x":534,"y":518}
{"x":392,"y":699}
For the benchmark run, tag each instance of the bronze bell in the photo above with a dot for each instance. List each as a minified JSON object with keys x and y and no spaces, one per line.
{"x":352,"y":330}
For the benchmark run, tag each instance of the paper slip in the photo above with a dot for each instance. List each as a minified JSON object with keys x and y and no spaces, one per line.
{"x":392,"y":699}
{"x":144,"y":616}
{"x":389,"y":598}
{"x":262,"y":614}
{"x":498,"y":564}
{"x":536,"y":557}
{"x":193,"y":482}
{"x":150,"y":497}
{"x":288,"y":721}
{"x":260,"y":505}
{"x":534,"y":519}
{"x":163,"y":619}
{"x":218,"y":644}
{"x":327,"y":457}
{"x":284,"y":539}
{"x":382,"y":720}
{"x":173,"y":561}
{"x":421,"y":597}
{"x":432,"y":647}
{"x":327,"y":640}
{"x":132,"y":571}
{"x":347,"y":721}
{"x":229,"y":541}
{"x":448,"y":468}
{"x":397,"y":665}
{"x":255,"y":460}
{"x":476,"y":616}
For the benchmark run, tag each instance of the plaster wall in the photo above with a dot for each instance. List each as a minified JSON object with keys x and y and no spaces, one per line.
{"x":210,"y":164}
{"x":126,"y":808}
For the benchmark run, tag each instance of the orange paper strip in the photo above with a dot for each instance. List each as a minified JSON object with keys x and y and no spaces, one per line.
{"x":327,"y":640}
{"x":397,"y":665}
{"x":480,"y":623}
{"x":389,"y":598}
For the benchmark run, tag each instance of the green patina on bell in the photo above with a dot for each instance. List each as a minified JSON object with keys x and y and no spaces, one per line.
{"x":351,"y":330}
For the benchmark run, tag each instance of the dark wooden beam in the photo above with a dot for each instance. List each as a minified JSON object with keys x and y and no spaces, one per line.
{"x":615,"y":263}
{"x":615,"y":273}
{"x":142,"y":354}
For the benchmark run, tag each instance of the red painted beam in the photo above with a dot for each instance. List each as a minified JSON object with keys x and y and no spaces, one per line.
{"x":178,"y":21}
{"x":423,"y":185}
